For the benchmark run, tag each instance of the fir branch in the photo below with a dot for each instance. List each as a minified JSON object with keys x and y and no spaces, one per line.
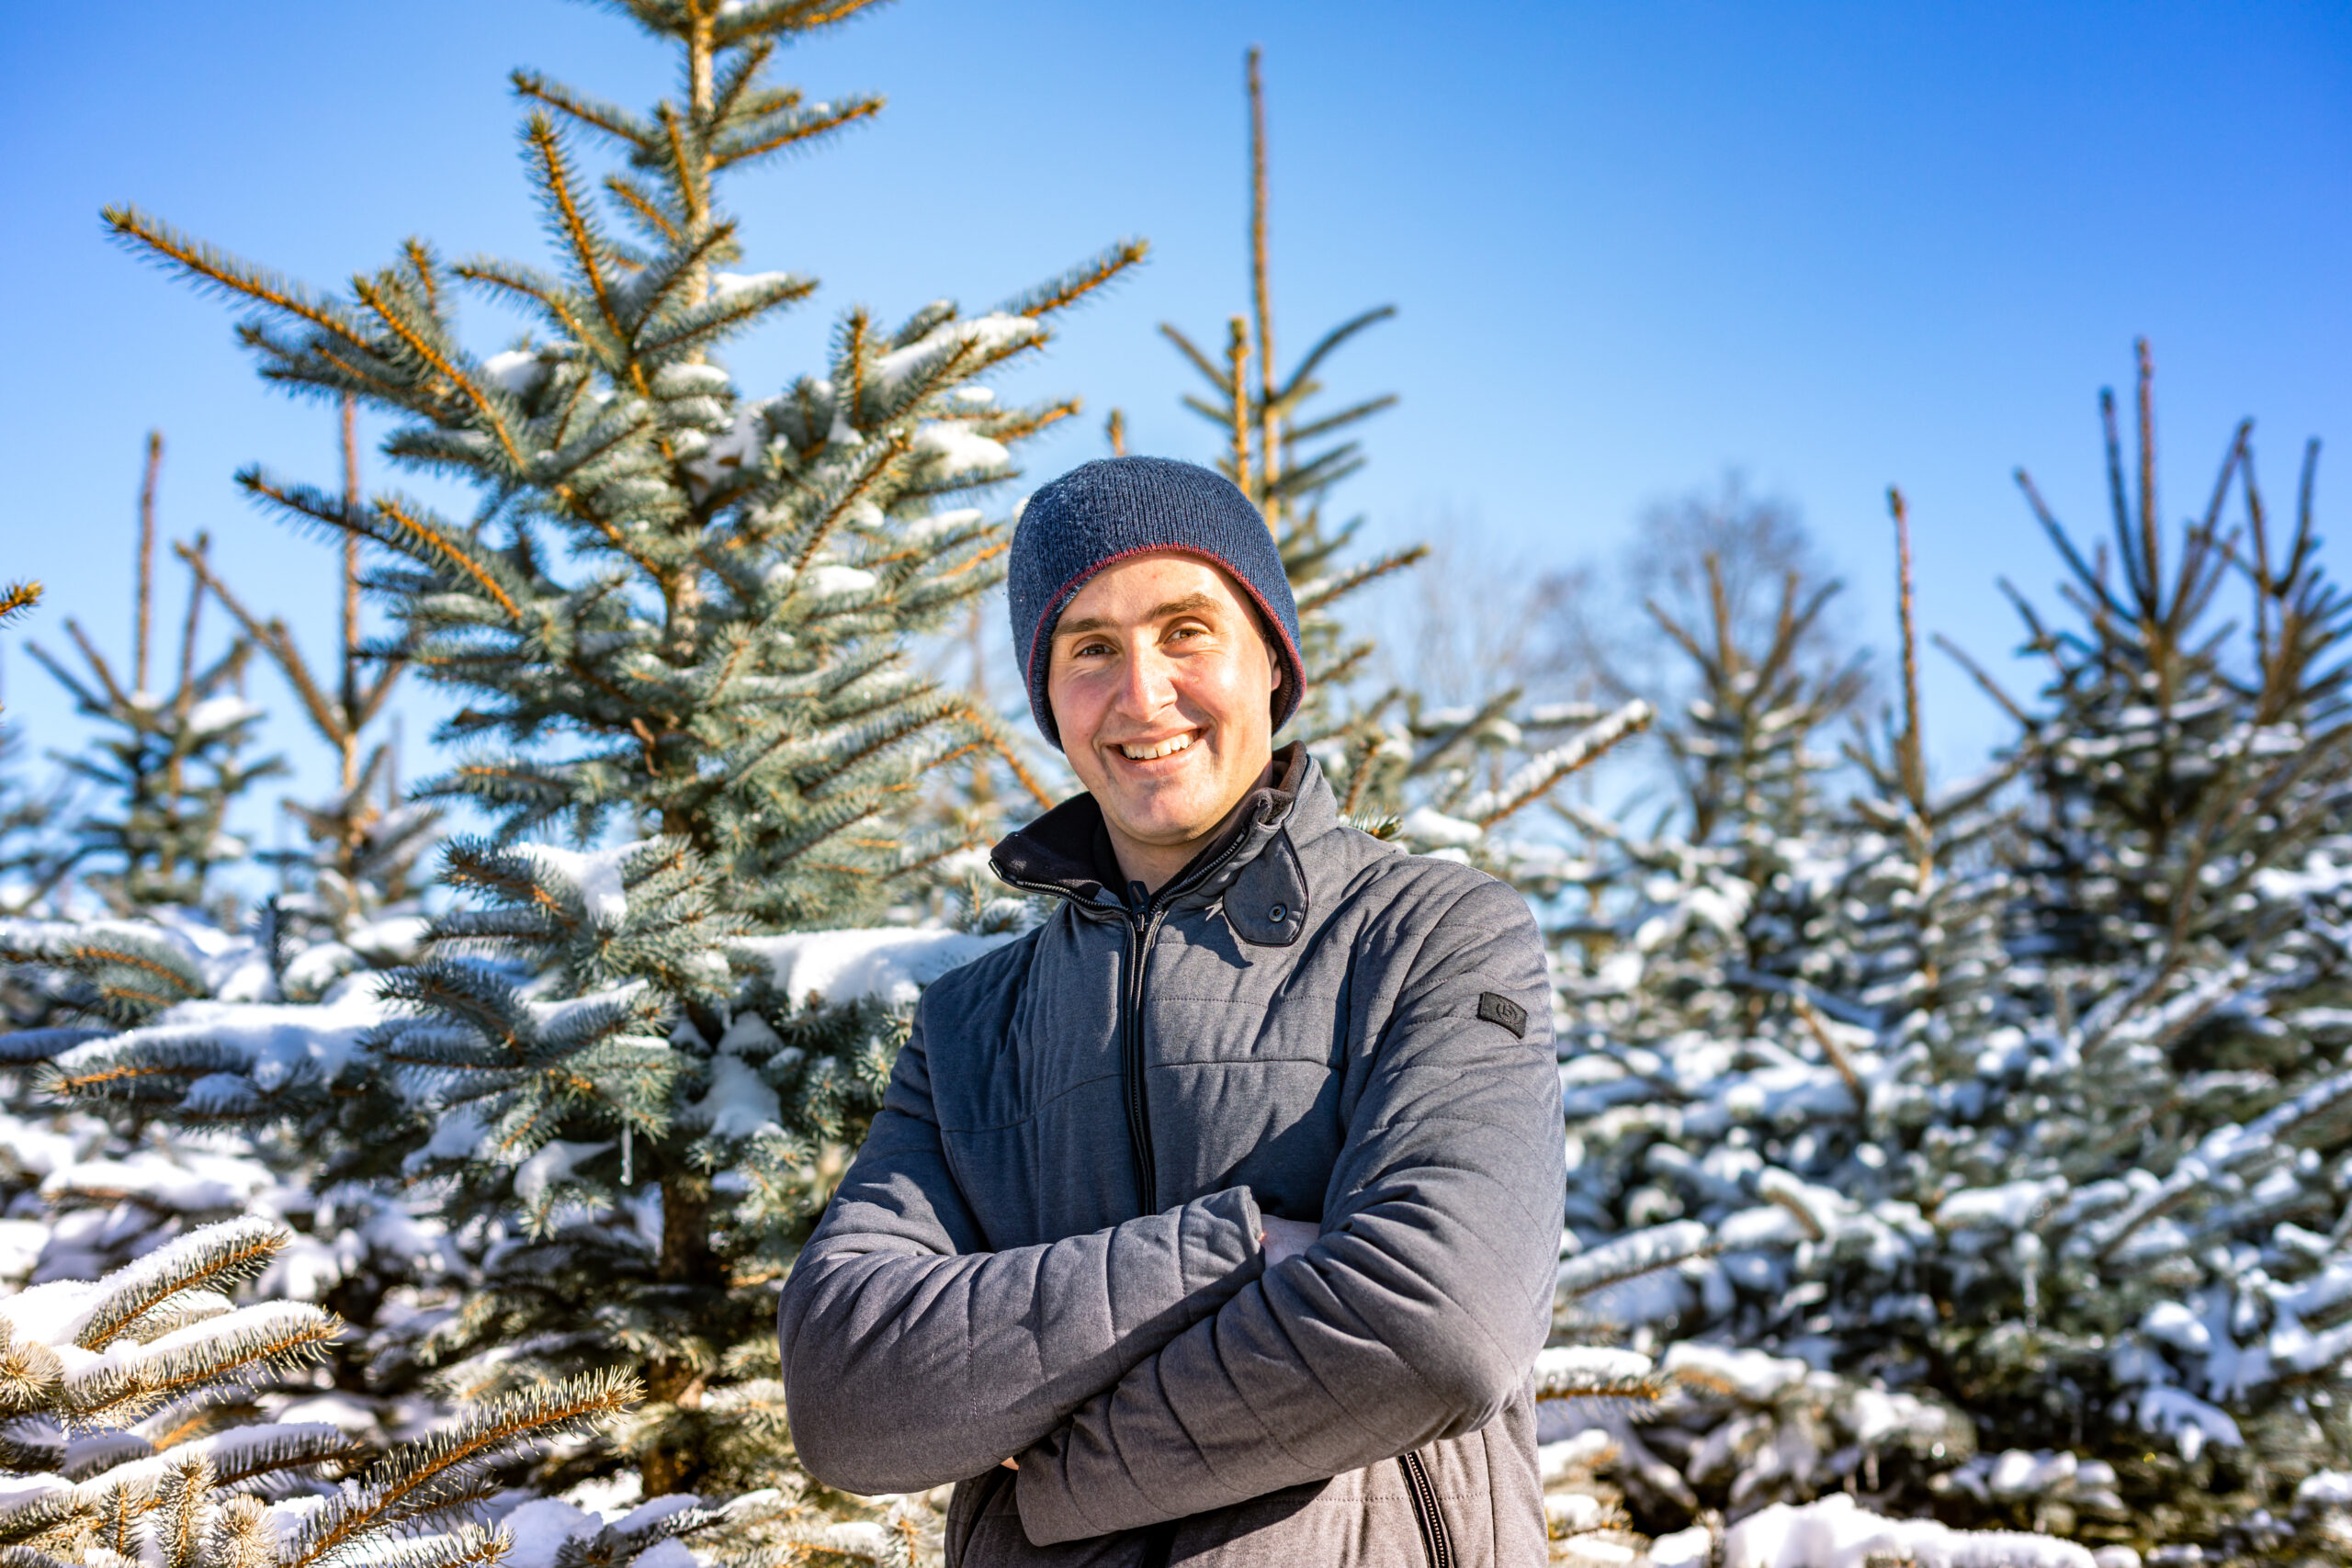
{"x":424,"y":1476}
{"x":597,"y":115}
{"x":760,"y":19}
{"x":210,"y":267}
{"x":569,"y":220}
{"x":773,"y":133}
{"x":486,"y":406}
{"x":15,"y":598}
{"x":644,"y":206}
{"x":1352,"y":414}
{"x":394,"y":522}
{"x":206,"y":1259}
{"x":1302,"y":375}
{"x":529,"y":285}
{"x":1078,"y":283}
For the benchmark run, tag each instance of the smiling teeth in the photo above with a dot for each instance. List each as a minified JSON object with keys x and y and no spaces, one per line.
{"x":1167,"y":747}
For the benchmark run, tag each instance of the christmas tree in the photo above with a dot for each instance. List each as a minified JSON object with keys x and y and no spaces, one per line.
{"x":679,"y":622}
{"x":170,"y":765}
{"x":132,"y":1435}
{"x":1436,"y":777}
{"x":358,"y":880}
{"x":1970,"y":1150}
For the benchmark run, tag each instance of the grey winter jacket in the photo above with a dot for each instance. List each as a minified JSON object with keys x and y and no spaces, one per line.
{"x":1047,"y":1247}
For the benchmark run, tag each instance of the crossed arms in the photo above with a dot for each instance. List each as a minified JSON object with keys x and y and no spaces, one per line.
{"x":1161,"y":1367}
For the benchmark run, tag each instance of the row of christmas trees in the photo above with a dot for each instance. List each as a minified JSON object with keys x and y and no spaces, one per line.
{"x":1979,"y":1153}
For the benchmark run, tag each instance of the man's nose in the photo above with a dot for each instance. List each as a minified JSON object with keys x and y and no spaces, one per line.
{"x":1149,"y":684}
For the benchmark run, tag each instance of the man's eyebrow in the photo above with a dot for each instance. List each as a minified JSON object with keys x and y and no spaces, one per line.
{"x":1190,"y":605}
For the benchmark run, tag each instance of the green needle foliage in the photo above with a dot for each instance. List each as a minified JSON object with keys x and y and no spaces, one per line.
{"x":127,"y":1403}
{"x":677,"y":612}
{"x":2020,"y":1108}
{"x":167,"y":768}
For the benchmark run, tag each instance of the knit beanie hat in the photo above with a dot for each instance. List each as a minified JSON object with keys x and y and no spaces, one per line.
{"x":1100,"y":512}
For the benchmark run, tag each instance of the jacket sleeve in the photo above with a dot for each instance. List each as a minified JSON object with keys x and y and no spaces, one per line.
{"x":912,"y":1357}
{"x":1417,"y":1314}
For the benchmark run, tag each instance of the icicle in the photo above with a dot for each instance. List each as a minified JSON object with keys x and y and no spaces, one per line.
{"x":627,"y":1161}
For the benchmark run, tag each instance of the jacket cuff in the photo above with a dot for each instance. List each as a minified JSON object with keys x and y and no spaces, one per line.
{"x":1216,"y":1241}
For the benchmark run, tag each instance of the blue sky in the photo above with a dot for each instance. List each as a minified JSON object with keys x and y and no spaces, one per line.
{"x":1835,"y":245}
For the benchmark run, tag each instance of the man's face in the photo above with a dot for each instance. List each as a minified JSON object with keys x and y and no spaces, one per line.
{"x":1160,"y":685}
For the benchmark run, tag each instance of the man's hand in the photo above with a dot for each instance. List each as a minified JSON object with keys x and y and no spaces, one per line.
{"x":1288,"y":1238}
{"x":1280,"y":1239}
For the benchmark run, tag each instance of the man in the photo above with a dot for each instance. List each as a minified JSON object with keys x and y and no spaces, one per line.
{"x":1212,"y":1222}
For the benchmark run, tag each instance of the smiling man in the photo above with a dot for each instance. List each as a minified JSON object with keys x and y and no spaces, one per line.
{"x":1214,"y":1221}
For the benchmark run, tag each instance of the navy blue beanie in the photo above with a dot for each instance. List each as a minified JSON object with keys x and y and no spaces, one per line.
{"x":1126,"y":506}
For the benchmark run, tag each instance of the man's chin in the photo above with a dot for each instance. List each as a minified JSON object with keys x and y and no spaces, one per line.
{"x":1162,"y":823}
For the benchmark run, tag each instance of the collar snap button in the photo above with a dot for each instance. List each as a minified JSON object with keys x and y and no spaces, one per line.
{"x":1278,"y":913}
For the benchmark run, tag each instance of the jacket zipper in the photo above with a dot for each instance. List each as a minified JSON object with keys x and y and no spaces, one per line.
{"x":1137,"y":956}
{"x":1434,"y":1541}
{"x":1140,"y":932}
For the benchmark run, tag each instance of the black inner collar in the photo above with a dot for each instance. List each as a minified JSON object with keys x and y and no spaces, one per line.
{"x":1069,"y":850}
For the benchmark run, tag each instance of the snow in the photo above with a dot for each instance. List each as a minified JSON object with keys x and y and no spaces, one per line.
{"x":594,"y":874}
{"x":832,"y":581}
{"x":2010,"y":1206}
{"x":274,"y":1044}
{"x":457,"y":1134}
{"x":309,"y":1266}
{"x":2174,"y":1325}
{"x":540,"y":1527}
{"x":1638,"y":1253}
{"x":1423,"y":826}
{"x":1538,"y":772}
{"x":216,"y":713}
{"x":394,"y":939}
{"x":1836,"y":1532}
{"x":339,"y":1412}
{"x":727,"y":454}
{"x":21,"y":1242}
{"x":890,"y":965}
{"x":515,"y":371}
{"x":1585,"y":1451}
{"x":1565,"y":1370}
{"x":1752,"y":1375}
{"x":1690,"y":1548}
{"x":692,"y":378}
{"x":2019,"y":1473}
{"x":726,"y":286}
{"x":739,"y":1102}
{"x":858,"y":1538}
{"x":552,"y":1164}
{"x":2190,"y":1421}
{"x":17,"y":1490}
{"x":987,"y":335}
{"x":957,"y":449}
{"x":923,"y":531}
{"x":182,"y":1181}
{"x":655,"y":1509}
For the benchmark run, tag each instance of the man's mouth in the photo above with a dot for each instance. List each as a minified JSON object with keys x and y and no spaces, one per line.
{"x":1146,"y":750}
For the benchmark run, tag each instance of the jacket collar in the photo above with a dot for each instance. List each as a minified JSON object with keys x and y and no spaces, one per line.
{"x":1066,"y":850}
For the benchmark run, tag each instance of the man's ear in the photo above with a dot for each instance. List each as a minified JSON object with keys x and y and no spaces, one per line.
{"x":1273,"y":662}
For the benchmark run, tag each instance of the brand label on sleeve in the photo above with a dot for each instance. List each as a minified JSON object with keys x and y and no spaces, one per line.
{"x":1503,"y":1011}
